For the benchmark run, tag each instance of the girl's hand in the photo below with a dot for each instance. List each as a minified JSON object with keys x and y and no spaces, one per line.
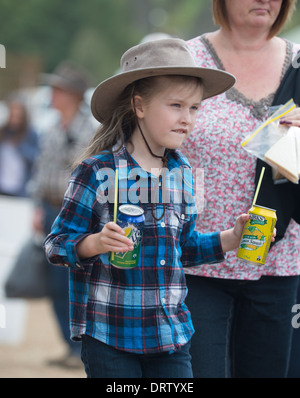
{"x":230,"y":239}
{"x":292,"y":118}
{"x":110,"y":239}
{"x":238,"y":228}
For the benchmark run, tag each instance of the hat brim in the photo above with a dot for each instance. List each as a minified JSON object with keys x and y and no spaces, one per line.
{"x":107,"y":93}
{"x":53,"y":80}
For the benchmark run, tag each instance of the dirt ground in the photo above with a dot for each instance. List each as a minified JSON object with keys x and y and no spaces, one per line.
{"x":41,"y":344}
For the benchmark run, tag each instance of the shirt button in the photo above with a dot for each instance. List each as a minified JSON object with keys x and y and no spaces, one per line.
{"x":163,"y":301}
{"x":182,"y":216}
{"x":162,"y":224}
{"x":162,"y":262}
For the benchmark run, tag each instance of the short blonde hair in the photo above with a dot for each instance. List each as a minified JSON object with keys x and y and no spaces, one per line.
{"x":286,"y":12}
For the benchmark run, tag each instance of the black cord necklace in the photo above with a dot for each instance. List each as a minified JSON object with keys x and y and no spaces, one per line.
{"x":160,"y":178}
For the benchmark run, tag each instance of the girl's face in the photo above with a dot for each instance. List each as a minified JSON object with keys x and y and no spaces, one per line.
{"x":169,"y":116}
{"x":253,"y":13}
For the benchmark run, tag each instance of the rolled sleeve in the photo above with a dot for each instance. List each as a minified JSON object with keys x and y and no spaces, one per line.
{"x":63,"y":252}
{"x":77,"y":218}
{"x":200,"y":248}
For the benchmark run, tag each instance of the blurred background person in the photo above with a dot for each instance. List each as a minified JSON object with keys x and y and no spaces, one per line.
{"x":61,"y":143}
{"x":19,"y":148}
{"x":242,"y":312}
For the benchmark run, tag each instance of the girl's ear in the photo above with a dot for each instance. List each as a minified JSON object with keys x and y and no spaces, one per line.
{"x":137,"y":105}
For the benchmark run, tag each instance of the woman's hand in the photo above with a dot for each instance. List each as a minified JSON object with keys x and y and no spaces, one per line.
{"x":291,"y":119}
{"x":110,"y":239}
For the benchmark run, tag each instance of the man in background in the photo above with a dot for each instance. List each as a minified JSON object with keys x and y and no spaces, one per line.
{"x":61,"y":143}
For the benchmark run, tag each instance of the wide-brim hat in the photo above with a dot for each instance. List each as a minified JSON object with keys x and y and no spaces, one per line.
{"x":68,"y":77}
{"x":155,"y":58}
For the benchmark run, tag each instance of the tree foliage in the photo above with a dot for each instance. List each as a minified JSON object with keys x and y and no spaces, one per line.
{"x":94,"y":33}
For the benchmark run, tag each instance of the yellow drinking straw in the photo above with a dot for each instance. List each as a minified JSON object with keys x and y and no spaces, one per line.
{"x":258,"y":185}
{"x":115,"y":203}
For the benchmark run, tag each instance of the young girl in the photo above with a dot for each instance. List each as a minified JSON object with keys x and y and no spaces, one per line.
{"x":134,"y":322}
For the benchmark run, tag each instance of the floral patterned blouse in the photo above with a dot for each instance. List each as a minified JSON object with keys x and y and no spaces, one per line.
{"x":229,"y":171}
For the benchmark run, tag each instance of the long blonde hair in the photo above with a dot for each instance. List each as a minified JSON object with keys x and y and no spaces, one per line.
{"x":122,"y":123}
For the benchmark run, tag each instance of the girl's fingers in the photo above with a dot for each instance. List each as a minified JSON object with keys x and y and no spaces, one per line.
{"x":114,"y":227}
{"x":113,"y":236}
{"x":113,"y":245}
{"x":116,"y":241}
{"x":120,"y":239}
{"x":119,"y":249}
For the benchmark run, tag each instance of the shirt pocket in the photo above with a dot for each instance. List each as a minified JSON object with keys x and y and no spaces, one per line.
{"x":176,"y":220}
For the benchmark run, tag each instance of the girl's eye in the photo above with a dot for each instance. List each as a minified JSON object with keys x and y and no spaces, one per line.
{"x":195,"y":108}
{"x":176,"y":105}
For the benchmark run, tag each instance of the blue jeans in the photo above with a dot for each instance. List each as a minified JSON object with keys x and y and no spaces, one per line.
{"x":103,"y":361}
{"x":243,"y":328}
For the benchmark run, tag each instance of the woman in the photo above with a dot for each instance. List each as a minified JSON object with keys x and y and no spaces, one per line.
{"x":242,"y":313}
{"x":18,"y":150}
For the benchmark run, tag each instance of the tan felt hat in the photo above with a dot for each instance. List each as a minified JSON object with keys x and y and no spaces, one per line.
{"x":155,"y":58}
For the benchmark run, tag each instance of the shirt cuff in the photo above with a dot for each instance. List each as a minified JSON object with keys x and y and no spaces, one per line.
{"x":73,"y":261}
{"x":210,"y":250}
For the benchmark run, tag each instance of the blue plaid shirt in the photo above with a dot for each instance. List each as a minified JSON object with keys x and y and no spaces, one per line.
{"x":140,"y":310}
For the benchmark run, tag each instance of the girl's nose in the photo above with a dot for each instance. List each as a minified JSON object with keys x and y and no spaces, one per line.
{"x":186,"y":117}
